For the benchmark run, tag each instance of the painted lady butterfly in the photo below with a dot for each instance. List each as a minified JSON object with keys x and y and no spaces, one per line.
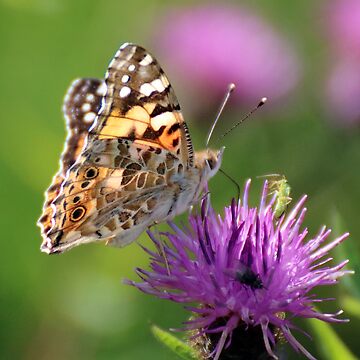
{"x":128,"y":161}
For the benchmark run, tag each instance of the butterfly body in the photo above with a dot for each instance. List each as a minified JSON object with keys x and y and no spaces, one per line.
{"x":136,"y":164}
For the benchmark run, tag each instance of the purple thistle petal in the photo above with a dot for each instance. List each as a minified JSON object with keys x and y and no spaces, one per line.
{"x":244,"y":268}
{"x":266,"y":335}
{"x":295,"y":344}
{"x":323,"y":251}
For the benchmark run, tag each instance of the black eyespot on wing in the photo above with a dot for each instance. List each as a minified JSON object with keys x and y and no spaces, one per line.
{"x":76,"y":199}
{"x":85,"y":184}
{"x":91,"y":173}
{"x":78,"y":213}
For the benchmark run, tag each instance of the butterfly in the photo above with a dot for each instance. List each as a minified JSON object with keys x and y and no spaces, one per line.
{"x":128,"y":160}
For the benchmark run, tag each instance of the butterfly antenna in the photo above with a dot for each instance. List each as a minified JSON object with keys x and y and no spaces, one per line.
{"x":261,"y":103}
{"x":230,"y":89}
{"x":233,"y":181}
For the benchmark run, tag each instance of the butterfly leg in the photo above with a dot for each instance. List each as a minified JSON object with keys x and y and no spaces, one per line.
{"x":162,"y":253}
{"x":160,"y":246}
{"x":190,"y":211}
{"x":205,"y":203}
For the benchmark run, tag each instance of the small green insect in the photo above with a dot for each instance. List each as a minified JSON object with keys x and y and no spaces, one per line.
{"x":279,"y":186}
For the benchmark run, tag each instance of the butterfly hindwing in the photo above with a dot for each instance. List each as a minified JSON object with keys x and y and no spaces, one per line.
{"x":113,"y":199}
{"x":81,"y":103}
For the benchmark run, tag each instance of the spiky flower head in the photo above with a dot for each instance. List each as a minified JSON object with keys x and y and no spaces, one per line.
{"x":246,"y":272}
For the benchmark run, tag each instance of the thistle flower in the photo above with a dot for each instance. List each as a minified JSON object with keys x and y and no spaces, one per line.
{"x":344,"y":25}
{"x":343,"y":83}
{"x":212,"y":46}
{"x":343,"y":92}
{"x":247,"y":273}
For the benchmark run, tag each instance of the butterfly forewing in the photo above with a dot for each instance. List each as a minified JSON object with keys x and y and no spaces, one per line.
{"x":81,"y":105}
{"x":140,"y":105}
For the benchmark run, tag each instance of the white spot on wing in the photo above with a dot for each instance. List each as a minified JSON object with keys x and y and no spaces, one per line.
{"x":90,"y":97}
{"x":158,"y":85}
{"x":125,"y":78}
{"x":85,"y":107}
{"x":101,"y":90}
{"x":124,"y":91}
{"x":131,"y":67}
{"x":146,"y":89}
{"x":147,"y":60}
{"x":89,"y":117}
{"x":165,"y":118}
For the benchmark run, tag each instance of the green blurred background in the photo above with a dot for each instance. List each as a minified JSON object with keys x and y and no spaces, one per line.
{"x":74,"y":306}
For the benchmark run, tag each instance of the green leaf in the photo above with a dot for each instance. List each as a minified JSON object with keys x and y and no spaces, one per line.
{"x":328,"y":342}
{"x":351,"y":305}
{"x":180,"y":348}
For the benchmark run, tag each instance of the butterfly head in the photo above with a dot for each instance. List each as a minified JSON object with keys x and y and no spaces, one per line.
{"x":209,"y":161}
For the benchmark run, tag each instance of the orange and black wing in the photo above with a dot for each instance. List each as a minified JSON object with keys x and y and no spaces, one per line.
{"x":140,"y":105}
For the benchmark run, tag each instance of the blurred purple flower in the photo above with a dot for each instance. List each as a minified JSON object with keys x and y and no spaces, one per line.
{"x":245,"y":272}
{"x":212,"y":46}
{"x":343,"y":92}
{"x":344,"y":25}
